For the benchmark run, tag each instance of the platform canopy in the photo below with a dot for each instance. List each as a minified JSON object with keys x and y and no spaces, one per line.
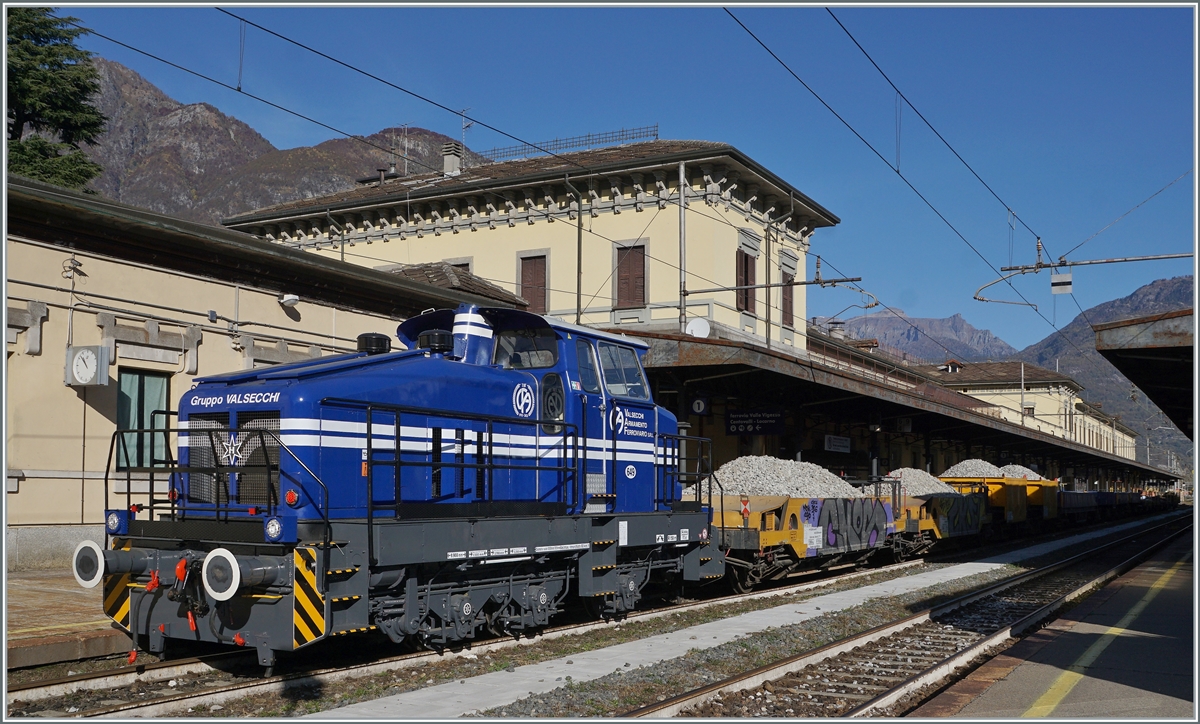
{"x":1156,"y":354}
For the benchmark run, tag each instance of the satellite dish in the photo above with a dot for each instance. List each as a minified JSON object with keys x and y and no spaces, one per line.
{"x":698,"y":327}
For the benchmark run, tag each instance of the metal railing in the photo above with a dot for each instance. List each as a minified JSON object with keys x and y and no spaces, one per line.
{"x":558,"y":145}
{"x":565,"y":439}
{"x":172,"y":472}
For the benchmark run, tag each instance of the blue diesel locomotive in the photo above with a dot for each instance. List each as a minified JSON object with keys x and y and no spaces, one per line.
{"x":500,"y":465}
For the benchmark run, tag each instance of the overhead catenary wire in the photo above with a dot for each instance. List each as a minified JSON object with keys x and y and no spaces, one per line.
{"x":460,"y":113}
{"x":908,"y":183}
{"x":1127,"y":213}
{"x":926,"y":122}
{"x":466,"y":120}
{"x":368,"y":143}
{"x":1012,"y":214}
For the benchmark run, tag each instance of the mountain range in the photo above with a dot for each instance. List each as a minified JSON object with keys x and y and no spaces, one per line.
{"x":194,"y":162}
{"x":929,"y":340}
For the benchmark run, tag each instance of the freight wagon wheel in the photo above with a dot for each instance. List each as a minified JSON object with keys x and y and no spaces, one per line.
{"x":741,"y":580}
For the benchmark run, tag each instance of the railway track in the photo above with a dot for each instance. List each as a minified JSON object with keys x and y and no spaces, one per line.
{"x":878,"y":672}
{"x":159,"y":688}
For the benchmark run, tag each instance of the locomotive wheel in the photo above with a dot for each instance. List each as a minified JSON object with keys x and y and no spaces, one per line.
{"x":595,"y":608}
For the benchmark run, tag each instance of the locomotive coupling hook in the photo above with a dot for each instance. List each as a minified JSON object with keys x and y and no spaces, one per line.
{"x":224,"y":573}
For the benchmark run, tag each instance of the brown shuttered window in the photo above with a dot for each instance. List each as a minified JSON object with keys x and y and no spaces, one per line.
{"x":789,"y":319}
{"x":631,"y":277}
{"x":533,"y":283}
{"x":745,"y":277}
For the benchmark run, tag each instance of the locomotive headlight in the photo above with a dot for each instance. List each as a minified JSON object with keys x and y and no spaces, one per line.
{"x":274,"y":529}
{"x":116,"y":522}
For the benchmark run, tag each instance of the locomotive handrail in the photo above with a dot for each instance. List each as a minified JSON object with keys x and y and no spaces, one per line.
{"x":119,"y":445}
{"x":489,"y":466}
{"x":324,"y":489}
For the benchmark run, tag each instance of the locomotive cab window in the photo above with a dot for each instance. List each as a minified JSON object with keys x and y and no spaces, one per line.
{"x":622,"y":373}
{"x":526,"y":349}
{"x":589,"y":379}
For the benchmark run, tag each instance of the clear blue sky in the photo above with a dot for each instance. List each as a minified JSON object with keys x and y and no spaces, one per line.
{"x":1072,"y":115}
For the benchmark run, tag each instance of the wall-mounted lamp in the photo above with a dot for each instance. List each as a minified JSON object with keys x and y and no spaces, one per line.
{"x":289,"y":300}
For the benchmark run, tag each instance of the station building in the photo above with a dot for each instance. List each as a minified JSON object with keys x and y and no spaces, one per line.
{"x":113,"y":312}
{"x":1039,"y":399}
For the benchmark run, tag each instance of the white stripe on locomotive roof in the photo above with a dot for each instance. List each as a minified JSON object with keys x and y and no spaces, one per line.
{"x":464,"y":317}
{"x":472,"y":331}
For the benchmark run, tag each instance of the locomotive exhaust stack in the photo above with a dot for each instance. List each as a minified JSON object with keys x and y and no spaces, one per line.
{"x":91,"y":563}
{"x":224,"y":573}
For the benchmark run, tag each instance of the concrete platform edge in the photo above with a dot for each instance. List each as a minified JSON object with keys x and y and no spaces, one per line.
{"x":57,"y":649}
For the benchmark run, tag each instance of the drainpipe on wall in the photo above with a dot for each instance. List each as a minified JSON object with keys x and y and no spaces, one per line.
{"x":682,"y":248}
{"x":1022,"y":393}
{"x":780,"y":220}
{"x":578,"y":252}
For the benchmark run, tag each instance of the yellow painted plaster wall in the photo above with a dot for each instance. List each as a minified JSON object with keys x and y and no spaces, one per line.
{"x":494,"y":254}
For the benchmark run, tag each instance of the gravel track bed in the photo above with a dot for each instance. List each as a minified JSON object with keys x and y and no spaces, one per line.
{"x":66,"y":668}
{"x":622,"y":691}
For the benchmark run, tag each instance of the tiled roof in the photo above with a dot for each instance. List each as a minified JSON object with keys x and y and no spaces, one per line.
{"x":974,"y":373}
{"x":539,"y":169}
{"x":441,"y":274}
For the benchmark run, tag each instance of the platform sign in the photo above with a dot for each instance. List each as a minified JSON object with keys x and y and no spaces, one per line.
{"x":837,"y":443}
{"x":754,"y":422}
{"x":1060,"y":283}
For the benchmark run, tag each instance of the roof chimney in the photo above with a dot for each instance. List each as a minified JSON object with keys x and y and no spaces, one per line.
{"x":452,"y":153}
{"x":835,"y":329}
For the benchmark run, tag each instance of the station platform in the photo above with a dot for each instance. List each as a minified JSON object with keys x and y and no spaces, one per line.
{"x":51,"y":618}
{"x":1125,"y":652}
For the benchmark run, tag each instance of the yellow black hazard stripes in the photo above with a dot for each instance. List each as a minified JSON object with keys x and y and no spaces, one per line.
{"x":308,"y":613}
{"x":116,"y":591}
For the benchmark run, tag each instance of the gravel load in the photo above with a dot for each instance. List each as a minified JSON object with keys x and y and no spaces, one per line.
{"x":1020,"y":471}
{"x":919,"y":483}
{"x":765,"y":475}
{"x":973,"y":468}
